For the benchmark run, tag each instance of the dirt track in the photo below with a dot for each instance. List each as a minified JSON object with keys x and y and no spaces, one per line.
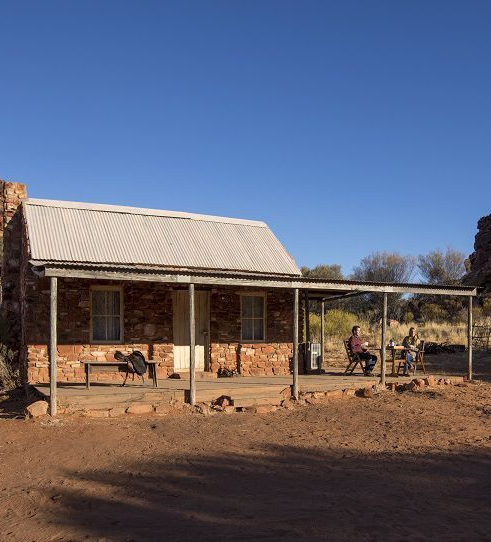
{"x":411,"y":466}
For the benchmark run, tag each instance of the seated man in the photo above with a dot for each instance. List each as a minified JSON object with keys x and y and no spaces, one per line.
{"x":356,"y":346}
{"x":411,"y":342}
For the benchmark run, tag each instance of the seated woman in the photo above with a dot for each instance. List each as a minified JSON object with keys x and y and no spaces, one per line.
{"x":356,"y":346}
{"x":411,"y":342}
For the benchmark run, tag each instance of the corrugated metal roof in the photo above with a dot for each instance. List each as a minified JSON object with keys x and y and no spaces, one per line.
{"x":108,"y":234}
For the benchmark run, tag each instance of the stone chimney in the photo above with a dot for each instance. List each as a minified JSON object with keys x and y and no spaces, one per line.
{"x":11,"y":196}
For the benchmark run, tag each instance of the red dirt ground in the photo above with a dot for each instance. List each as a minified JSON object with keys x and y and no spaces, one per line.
{"x":409,"y":466}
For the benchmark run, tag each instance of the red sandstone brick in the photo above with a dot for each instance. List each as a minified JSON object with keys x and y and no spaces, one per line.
{"x":64,"y":349}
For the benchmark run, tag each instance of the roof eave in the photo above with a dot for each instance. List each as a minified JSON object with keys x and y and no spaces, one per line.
{"x":214,"y":278}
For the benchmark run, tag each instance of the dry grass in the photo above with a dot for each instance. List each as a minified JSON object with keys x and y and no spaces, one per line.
{"x":339,"y":324}
{"x":439,"y":332}
{"x":9,"y":375}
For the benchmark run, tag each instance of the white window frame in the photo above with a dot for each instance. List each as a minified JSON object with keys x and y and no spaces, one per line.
{"x":121,"y":314}
{"x":253,"y":294}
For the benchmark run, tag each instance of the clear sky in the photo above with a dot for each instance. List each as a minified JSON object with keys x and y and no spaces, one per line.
{"x":348,"y":126}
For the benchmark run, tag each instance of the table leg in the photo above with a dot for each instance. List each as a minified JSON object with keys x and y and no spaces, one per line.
{"x":87,"y":376}
{"x":155,"y":381}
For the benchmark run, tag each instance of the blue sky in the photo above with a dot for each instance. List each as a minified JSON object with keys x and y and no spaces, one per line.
{"x":349,"y":127}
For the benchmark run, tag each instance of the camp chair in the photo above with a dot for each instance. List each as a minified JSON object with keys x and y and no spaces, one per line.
{"x":420,"y":354}
{"x":353,"y":360}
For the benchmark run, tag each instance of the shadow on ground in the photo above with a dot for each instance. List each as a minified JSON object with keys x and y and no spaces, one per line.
{"x":284,"y":493}
{"x":457,"y":364}
{"x":12,"y":403}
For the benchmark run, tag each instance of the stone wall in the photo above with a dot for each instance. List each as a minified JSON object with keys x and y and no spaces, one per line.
{"x":271,"y":357}
{"x":148,"y":326}
{"x":480,"y":259}
{"x":11,"y":196}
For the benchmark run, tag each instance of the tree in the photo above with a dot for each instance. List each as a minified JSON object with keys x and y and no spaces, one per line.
{"x":323,"y":271}
{"x":389,"y":267}
{"x":438,"y":267}
{"x":385,"y":267}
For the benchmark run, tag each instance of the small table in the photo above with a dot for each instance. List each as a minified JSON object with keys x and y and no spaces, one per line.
{"x":394,"y":350}
{"x":121,"y":366}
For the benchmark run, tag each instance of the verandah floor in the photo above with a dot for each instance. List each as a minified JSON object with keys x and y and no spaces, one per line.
{"x":243,"y":390}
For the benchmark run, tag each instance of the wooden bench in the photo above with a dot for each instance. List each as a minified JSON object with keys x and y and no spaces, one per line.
{"x":121,"y":367}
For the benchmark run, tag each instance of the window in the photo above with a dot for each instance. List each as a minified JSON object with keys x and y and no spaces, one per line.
{"x":253,"y":317}
{"x":106,"y":315}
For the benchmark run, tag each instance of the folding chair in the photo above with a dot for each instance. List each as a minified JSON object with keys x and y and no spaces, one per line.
{"x":353,"y":360}
{"x":419,"y":358}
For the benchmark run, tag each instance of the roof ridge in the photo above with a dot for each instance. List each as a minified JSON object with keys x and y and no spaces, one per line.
{"x":123,"y":209}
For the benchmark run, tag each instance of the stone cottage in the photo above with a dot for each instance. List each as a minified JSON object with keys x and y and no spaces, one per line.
{"x":118,"y":270}
{"x":82,"y":281}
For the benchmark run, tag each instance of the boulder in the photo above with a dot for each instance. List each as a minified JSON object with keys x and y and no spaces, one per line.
{"x":480,"y":259}
{"x":367,"y":393}
{"x":163,"y":409}
{"x":223,"y":401}
{"x":97,"y":413}
{"x":205,"y":409}
{"x":139,"y":408}
{"x":430,"y":381}
{"x":116,"y":411}
{"x":39,"y":408}
{"x":288,"y":403}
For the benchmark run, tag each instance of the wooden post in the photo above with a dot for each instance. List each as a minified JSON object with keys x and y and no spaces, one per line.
{"x":469,"y":338}
{"x":383,"y":351}
{"x":53,"y":346}
{"x":306,"y":351}
{"x":307,"y":316}
{"x":323,"y":332}
{"x":295,"y":343}
{"x":192,"y":348}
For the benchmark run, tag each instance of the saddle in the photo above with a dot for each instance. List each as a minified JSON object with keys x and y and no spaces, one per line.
{"x":135,"y":364}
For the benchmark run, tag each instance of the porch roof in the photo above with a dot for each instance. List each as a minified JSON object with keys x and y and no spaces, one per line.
{"x":316,"y":288}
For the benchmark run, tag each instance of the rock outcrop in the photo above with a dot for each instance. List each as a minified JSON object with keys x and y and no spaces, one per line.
{"x":480,"y":259}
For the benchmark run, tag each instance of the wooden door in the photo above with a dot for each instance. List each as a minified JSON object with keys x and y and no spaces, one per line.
{"x":181,"y":329}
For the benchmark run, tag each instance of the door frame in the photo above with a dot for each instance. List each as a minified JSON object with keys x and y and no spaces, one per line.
{"x":205,"y":342}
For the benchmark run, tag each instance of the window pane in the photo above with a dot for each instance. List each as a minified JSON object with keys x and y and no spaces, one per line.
{"x":247,"y":306}
{"x":114,"y":329}
{"x":247,"y":329}
{"x":258,"y":307}
{"x":99,"y":328}
{"x":259,"y":329}
{"x":98,"y":302}
{"x":113,"y":303}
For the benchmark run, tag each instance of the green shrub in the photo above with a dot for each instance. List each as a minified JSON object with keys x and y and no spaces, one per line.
{"x":431,"y":312}
{"x":338,"y":324}
{"x":408,"y":317}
